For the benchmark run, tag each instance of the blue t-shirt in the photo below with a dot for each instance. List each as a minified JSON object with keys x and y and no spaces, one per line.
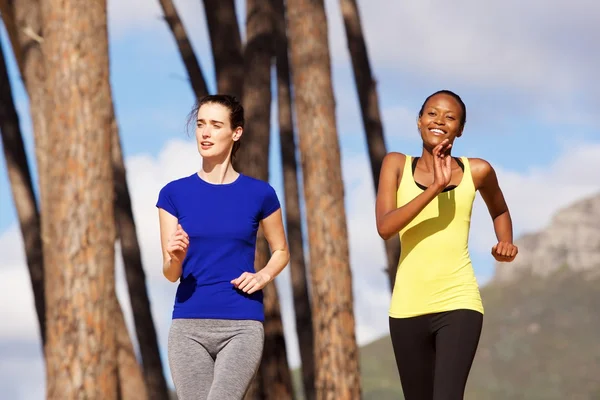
{"x":222,"y":221}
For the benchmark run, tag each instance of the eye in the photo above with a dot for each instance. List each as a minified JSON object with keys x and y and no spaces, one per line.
{"x":431,"y":113}
{"x":451,"y":118}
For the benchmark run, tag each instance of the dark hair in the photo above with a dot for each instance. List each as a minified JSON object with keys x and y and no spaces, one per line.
{"x":236,"y":113}
{"x":463,"y":118}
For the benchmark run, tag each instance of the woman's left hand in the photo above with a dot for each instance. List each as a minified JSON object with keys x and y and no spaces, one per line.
{"x":504,"y":252}
{"x":250,"y":283}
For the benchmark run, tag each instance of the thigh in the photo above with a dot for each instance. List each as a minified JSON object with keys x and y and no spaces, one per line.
{"x":415,"y":355}
{"x":237,"y":361}
{"x":190,"y":363}
{"x":457,"y":338}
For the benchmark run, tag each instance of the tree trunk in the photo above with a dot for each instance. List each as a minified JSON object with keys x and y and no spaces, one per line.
{"x":302,"y":307}
{"x":371,"y":117}
{"x":336,"y":352}
{"x":185,"y":49}
{"x":23,"y":194}
{"x":135,"y":275}
{"x":79,"y":226}
{"x":130,"y":378}
{"x":226,"y":44}
{"x":23,"y":21}
{"x":274,"y":374}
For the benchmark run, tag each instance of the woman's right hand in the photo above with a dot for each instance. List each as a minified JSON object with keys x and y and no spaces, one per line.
{"x":442,"y":167}
{"x":177,"y":245}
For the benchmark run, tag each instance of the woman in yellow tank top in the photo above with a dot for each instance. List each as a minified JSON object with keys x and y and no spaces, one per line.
{"x":436,"y":313}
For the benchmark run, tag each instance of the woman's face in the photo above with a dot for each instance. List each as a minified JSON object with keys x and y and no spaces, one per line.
{"x":441,"y":119}
{"x":214,"y":134}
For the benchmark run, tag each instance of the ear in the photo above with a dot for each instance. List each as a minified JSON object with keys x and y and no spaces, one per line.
{"x":237,"y":133}
{"x":460,"y":132}
{"x":419,"y":123}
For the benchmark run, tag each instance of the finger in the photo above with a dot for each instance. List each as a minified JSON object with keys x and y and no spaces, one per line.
{"x":437,"y":149}
{"x":249,"y":286}
{"x":246,"y":283}
{"x":179,"y":243}
{"x":499,"y":248}
{"x":513,"y":251}
{"x":255,"y":288}
{"x":235,"y":281}
{"x":239,"y":279}
{"x":494,"y":249}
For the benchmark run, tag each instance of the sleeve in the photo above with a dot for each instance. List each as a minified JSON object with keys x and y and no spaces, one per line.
{"x":270,"y":203}
{"x":165,"y":201}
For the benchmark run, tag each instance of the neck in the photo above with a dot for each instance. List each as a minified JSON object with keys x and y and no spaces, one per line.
{"x":218,"y":171}
{"x":427,"y":158}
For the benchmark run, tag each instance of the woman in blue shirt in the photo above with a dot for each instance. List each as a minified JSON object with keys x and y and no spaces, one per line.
{"x":208,"y":224}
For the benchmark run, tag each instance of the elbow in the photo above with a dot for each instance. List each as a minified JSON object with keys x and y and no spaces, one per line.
{"x":384,"y":233}
{"x":170,"y":277}
{"x":169,"y":273}
{"x":285,"y":255}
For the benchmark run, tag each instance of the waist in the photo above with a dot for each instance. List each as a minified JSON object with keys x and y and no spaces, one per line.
{"x":216,"y":301}
{"x":423,"y":289}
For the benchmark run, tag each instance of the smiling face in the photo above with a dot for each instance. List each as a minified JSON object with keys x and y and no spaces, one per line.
{"x":214,"y":133}
{"x":442,"y":118}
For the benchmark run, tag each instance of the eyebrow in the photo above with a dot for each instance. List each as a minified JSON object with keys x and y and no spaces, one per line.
{"x":441,"y":109}
{"x":212,"y":121}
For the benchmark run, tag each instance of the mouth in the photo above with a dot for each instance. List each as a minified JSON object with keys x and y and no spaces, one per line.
{"x":437,"y":131}
{"x":206,"y":145}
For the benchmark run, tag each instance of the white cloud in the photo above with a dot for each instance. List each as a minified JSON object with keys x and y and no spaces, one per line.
{"x":492,"y":45}
{"x":568,"y":178}
{"x":534,"y":196}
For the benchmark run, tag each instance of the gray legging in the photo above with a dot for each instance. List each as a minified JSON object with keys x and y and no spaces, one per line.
{"x":214,"y":359}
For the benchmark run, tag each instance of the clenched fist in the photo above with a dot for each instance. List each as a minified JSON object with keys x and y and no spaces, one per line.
{"x":504,"y":252}
{"x":177,"y":245}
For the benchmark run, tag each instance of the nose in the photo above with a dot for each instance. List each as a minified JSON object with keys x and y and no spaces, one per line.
{"x":206,"y":132}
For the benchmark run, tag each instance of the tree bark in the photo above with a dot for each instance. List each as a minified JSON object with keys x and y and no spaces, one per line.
{"x":369,"y":106}
{"x":336,"y":351}
{"x":226,"y":45}
{"x":274,"y":375}
{"x":185,"y":49}
{"x":302,"y":307}
{"x":130,"y":378}
{"x":23,"y":21}
{"x":78,"y":229}
{"x":135,"y":275}
{"x":23,"y":195}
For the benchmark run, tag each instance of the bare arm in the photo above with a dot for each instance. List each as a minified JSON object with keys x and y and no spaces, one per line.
{"x":174,"y":243}
{"x":274,"y":233}
{"x":272,"y":227}
{"x":390,"y":219}
{"x":486,"y":182}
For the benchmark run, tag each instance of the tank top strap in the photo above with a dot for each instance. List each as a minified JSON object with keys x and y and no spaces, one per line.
{"x":467,"y":180}
{"x":407,"y":176}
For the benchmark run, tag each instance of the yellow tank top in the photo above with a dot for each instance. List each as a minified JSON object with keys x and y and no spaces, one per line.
{"x":435,"y":273}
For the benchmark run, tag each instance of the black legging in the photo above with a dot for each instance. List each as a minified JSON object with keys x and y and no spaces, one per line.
{"x":434,"y":353}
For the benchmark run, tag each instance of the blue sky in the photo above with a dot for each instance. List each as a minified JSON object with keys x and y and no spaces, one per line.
{"x":526,"y":77}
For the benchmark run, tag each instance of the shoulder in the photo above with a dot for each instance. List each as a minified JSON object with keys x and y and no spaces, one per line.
{"x":393,"y":163}
{"x":481,"y":171}
{"x":176,"y":184}
{"x":258,"y":186}
{"x":480,"y":167}
{"x":394,"y":157}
